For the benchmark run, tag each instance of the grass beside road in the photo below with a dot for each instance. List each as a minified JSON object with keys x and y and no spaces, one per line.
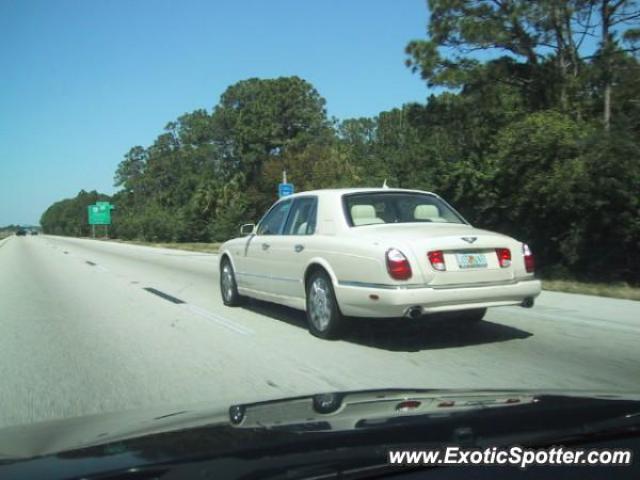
{"x":612,"y":290}
{"x":190,"y":247}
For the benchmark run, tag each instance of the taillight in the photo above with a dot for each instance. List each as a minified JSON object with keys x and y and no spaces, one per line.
{"x":529,"y":262}
{"x":504,"y":257}
{"x":398,"y":265}
{"x":407,"y":405}
{"x":437,"y":260}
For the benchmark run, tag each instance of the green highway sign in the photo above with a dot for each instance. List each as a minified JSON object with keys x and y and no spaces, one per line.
{"x":100,"y":213}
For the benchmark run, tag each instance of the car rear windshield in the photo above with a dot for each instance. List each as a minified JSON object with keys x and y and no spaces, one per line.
{"x":397,"y":207}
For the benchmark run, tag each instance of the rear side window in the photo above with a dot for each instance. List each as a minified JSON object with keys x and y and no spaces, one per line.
{"x":302,"y":219}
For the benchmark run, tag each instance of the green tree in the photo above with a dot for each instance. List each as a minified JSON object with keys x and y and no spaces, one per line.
{"x":260,"y":118}
{"x":542,"y":184}
{"x":69,"y":216}
{"x":618,"y":18}
{"x":609,"y":227}
{"x":131,"y":170}
{"x":541,"y":44}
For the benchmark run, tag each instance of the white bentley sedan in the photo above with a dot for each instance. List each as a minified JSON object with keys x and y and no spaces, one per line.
{"x":374,"y":252}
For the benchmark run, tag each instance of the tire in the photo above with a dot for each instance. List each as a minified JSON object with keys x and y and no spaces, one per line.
{"x":228,"y":285}
{"x":324,"y":319}
{"x":474,"y":315}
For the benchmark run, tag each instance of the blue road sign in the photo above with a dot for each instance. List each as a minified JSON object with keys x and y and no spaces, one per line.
{"x":285,"y":189}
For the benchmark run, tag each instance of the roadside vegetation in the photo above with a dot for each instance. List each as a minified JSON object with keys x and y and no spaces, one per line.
{"x":613,"y":290}
{"x":537,"y":137}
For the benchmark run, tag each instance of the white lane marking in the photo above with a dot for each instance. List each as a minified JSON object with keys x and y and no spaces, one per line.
{"x":101,"y":269}
{"x":218,"y":319}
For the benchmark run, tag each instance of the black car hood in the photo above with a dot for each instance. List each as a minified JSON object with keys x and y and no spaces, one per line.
{"x":202,"y":442}
{"x":80,"y":432}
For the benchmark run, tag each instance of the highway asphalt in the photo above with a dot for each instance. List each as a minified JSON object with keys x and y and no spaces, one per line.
{"x":89,"y":326}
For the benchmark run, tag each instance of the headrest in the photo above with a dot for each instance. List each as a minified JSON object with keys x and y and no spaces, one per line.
{"x":426,"y":212}
{"x":364,"y":215}
{"x":363,"y":211}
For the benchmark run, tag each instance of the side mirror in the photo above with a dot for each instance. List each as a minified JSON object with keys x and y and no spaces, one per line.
{"x":247,"y":229}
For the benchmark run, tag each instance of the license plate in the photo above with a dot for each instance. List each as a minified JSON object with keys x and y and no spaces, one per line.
{"x":471,"y":260}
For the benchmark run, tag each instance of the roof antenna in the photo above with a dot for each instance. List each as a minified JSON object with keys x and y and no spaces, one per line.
{"x":384,"y":184}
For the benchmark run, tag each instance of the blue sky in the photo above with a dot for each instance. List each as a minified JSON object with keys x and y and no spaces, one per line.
{"x":83,"y":81}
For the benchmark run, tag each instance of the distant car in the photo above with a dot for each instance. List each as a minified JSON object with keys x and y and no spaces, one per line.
{"x":34,"y":232}
{"x":21,"y":232}
{"x":374,"y":253}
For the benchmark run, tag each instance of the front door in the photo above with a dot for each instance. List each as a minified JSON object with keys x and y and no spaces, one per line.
{"x":290,"y":252}
{"x":259,"y":261}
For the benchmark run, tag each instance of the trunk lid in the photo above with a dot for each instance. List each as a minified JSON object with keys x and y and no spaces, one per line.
{"x":469,"y":253}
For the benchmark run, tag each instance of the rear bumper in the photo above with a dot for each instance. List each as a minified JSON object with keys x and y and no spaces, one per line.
{"x":395,"y":302}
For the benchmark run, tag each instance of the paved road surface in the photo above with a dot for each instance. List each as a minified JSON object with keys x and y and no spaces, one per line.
{"x":80,"y":334}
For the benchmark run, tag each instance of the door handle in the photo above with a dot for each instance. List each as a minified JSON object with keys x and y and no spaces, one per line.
{"x":265,"y":246}
{"x":298,"y":248}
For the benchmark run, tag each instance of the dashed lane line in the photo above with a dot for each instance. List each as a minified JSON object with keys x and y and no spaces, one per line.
{"x":194,"y":309}
{"x":201,"y":312}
